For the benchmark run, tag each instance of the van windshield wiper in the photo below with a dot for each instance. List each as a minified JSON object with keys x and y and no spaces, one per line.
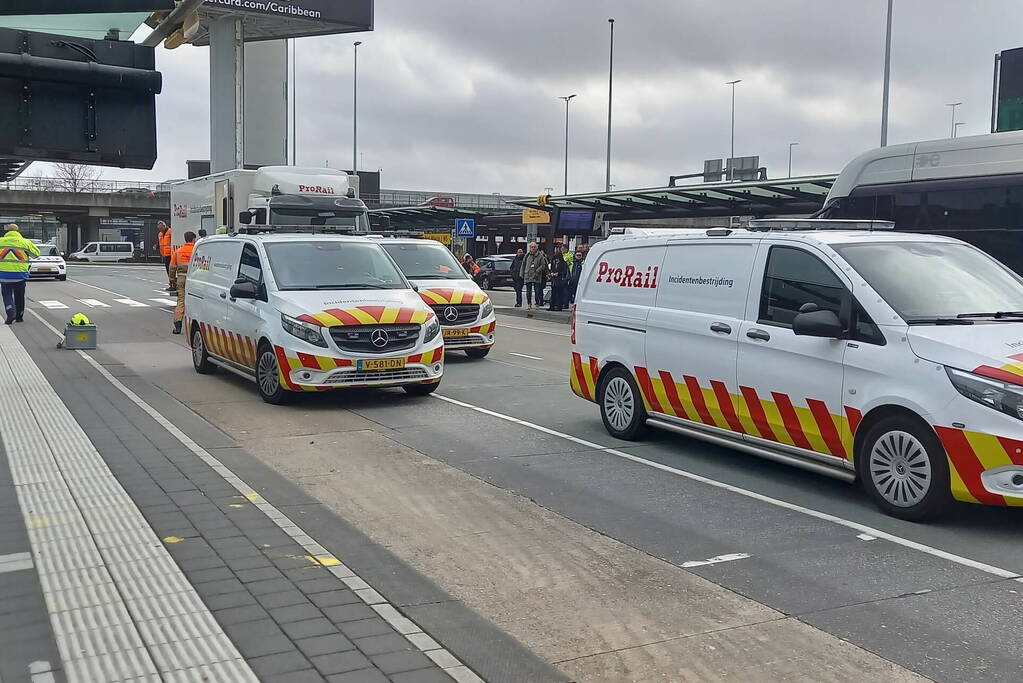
{"x":352,"y":286}
{"x":997,"y":315}
{"x":938,"y":321}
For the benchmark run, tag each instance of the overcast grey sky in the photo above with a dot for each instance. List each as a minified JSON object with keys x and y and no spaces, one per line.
{"x":459,"y":95}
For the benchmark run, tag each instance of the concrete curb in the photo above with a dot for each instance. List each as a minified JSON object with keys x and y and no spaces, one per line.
{"x":549,"y":316}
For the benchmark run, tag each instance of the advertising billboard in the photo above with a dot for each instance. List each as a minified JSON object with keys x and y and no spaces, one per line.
{"x":355,"y":12}
{"x":1009,"y":91}
{"x":80,"y":7}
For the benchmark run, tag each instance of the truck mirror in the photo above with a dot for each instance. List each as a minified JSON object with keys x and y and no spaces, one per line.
{"x":245,"y":218}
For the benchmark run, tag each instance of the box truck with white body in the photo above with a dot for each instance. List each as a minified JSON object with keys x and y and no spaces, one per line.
{"x":271,"y":195}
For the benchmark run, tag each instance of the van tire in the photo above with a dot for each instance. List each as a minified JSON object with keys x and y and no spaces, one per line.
{"x":477,"y":353}
{"x":420,"y":389}
{"x":621,"y":405}
{"x":62,"y":278}
{"x":903,"y":467}
{"x":200,"y":359}
{"x":268,"y":377}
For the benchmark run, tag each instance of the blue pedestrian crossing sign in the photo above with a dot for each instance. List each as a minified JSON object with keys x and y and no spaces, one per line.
{"x":465,"y":227}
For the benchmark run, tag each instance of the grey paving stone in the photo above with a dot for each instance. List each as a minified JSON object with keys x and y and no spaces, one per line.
{"x":307,"y":676}
{"x":270,"y":586}
{"x":218,"y":587}
{"x":197,"y":563}
{"x":335,"y":598}
{"x":254,"y":561}
{"x":360,"y":676}
{"x":225,"y":532}
{"x":239,"y":552}
{"x":324,"y":645}
{"x":352,"y":612}
{"x":320,"y":585}
{"x":286,"y":615}
{"x":378,"y":645}
{"x":397,"y":662}
{"x":365,"y":628}
{"x":433,"y":675}
{"x":281,"y":599}
{"x":212,"y":574}
{"x":341,"y":662}
{"x":240,"y":615}
{"x":308,"y":628}
{"x":223,"y":544}
{"x":259,"y":638}
{"x":284,"y":662}
{"x":227,"y":600}
{"x":258,"y":574}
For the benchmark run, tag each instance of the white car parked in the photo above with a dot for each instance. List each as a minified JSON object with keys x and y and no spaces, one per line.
{"x":49,"y":263}
{"x":891,"y":358}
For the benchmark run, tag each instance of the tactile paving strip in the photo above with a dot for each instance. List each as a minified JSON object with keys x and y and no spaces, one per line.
{"x":114,"y":594}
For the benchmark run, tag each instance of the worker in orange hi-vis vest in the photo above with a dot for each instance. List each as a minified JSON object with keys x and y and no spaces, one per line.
{"x":180,"y":259}
{"x":163,"y":239}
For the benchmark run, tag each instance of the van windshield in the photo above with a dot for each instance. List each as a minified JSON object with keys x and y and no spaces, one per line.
{"x":323,"y":264}
{"x":298,"y":216}
{"x":426,"y":261}
{"x":924,"y":281}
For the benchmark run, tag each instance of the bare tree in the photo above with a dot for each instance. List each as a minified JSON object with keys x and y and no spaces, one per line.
{"x":75,"y":177}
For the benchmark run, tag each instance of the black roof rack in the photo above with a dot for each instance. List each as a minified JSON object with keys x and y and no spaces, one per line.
{"x":783,"y":224}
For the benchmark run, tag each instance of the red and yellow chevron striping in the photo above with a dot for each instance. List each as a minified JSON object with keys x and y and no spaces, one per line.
{"x":1010,"y":372}
{"x":439,"y":295}
{"x":367,"y":315}
{"x":286,"y":363}
{"x":483,"y":329}
{"x":229,"y":345}
{"x":969,"y":454}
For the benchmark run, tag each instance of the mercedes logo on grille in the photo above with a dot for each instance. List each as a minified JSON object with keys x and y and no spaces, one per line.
{"x":379,"y":338}
{"x":451,"y":314}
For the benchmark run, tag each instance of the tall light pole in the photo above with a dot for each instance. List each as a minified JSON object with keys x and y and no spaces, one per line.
{"x":953,"y":106}
{"x":610,"y":81}
{"x":355,"y":110}
{"x":887,"y":77}
{"x":731,"y":155}
{"x":955,"y":128}
{"x":791,"y":145}
{"x":567,"y":100}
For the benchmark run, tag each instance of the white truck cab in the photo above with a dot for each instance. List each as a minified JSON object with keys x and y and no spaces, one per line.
{"x":836,"y":346}
{"x":465,"y":312}
{"x":299,"y":311}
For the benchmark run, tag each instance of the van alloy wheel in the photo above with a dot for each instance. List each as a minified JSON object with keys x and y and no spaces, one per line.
{"x":268,"y":373}
{"x":900,"y":469}
{"x":619,"y":403}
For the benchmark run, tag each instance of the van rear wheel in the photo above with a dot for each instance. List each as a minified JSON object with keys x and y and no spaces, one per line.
{"x":200,"y":359}
{"x":903,"y":468}
{"x":621,"y":405}
{"x":268,"y":377}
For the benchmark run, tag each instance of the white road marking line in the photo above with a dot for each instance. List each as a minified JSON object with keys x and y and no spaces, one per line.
{"x":93,"y":303}
{"x":866,"y":537}
{"x":165,"y":301}
{"x":731,"y":557}
{"x":407,"y":627}
{"x":132,"y":303}
{"x":15,"y":562}
{"x":524,"y":355}
{"x":527,"y":367}
{"x":79,"y":282}
{"x":533,"y":329}
{"x":817,"y":514}
{"x":52,"y":304}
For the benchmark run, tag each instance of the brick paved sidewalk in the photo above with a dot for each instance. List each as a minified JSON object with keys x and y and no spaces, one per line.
{"x":128,"y":550}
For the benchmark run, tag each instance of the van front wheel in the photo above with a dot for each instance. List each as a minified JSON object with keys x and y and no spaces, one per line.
{"x":621,"y":405}
{"x":268,"y":377}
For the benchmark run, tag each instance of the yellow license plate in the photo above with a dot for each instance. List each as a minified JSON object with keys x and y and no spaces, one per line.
{"x":45,"y":270}
{"x":453,"y":332}
{"x":381,"y":364}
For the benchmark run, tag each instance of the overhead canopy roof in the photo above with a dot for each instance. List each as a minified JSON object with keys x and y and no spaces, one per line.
{"x":292,"y":19}
{"x":424,"y":215}
{"x":93,"y":25}
{"x":755,"y":198}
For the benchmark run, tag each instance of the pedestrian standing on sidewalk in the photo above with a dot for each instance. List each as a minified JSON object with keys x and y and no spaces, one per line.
{"x":577,"y":269}
{"x":534,"y":271}
{"x":179,"y":267}
{"x":559,"y":280}
{"x":164,"y":245}
{"x":516,"y":276}
{"x":16,"y":254}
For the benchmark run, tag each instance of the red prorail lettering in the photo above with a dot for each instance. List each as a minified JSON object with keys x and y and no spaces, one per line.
{"x":628,"y":276}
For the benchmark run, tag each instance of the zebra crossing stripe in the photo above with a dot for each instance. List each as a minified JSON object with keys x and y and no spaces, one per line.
{"x":52,"y":304}
{"x":132,"y":303}
{"x":93,"y":303}
{"x":165,"y":302}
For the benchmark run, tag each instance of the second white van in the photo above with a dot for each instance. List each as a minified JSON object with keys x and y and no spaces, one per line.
{"x":104,"y":252}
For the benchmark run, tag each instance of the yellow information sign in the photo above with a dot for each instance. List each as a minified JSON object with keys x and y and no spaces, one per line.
{"x":442,"y":237}
{"x":535,"y":216}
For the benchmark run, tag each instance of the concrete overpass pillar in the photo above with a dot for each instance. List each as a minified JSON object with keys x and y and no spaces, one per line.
{"x":227,"y":94}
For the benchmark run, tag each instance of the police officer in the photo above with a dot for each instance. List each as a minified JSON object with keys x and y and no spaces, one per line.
{"x":180,"y":259}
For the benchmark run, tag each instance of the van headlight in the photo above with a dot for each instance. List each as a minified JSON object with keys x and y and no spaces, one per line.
{"x":1002,"y":396}
{"x":432,"y":329}
{"x":487,"y":308}
{"x":311,"y":334}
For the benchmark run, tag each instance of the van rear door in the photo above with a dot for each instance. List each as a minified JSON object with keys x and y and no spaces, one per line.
{"x":692,"y":331}
{"x":210,"y":276}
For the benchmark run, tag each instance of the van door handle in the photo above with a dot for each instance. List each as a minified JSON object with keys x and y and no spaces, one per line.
{"x":223,"y":295}
{"x":721,"y":327}
{"x":758,"y":334}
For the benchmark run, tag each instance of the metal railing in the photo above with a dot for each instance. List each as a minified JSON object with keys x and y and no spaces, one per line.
{"x":460,"y":200}
{"x":73,"y":185}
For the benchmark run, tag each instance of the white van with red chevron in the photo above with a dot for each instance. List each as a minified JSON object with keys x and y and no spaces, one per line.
{"x":836,"y":346}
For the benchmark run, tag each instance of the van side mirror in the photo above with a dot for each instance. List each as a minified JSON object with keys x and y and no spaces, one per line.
{"x":245,"y":217}
{"x":244,"y":289}
{"x":818,"y":324}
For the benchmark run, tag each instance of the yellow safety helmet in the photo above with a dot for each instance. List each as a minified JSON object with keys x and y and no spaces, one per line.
{"x":80,"y":319}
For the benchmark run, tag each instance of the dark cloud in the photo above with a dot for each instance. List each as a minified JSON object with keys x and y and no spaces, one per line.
{"x":462,"y":96}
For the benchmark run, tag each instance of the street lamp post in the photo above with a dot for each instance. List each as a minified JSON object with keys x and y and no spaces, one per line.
{"x":731,"y":155}
{"x":610,"y":81}
{"x":355,"y":109}
{"x":953,"y":106}
{"x":791,"y":145}
{"x":887,"y":77}
{"x":955,"y":128}
{"x":567,"y":99}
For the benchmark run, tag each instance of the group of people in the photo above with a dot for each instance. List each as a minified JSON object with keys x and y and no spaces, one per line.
{"x":176,"y":261}
{"x":533,"y":268}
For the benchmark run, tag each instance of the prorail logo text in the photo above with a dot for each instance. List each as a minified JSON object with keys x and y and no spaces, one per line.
{"x":628,"y":276}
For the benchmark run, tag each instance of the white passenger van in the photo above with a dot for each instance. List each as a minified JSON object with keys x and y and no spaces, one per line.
{"x":465,"y":312}
{"x":104,"y":252}
{"x":836,"y":346}
{"x":970,"y":188}
{"x":308,"y":312}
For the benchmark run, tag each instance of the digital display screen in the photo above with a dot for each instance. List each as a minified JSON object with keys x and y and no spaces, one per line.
{"x":574,"y":222}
